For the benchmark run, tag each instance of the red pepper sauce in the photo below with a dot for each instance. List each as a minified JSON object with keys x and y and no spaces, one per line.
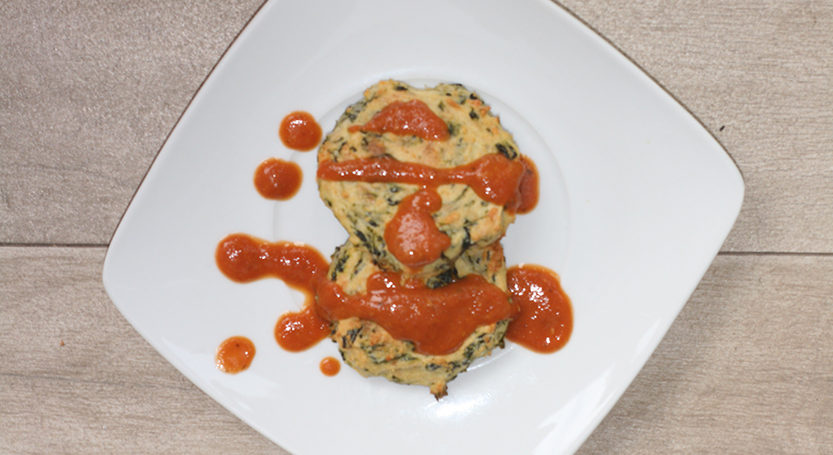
{"x":299,"y":330}
{"x":412,"y":235}
{"x":299,"y":131}
{"x":278,"y":179}
{"x":330,"y":366}
{"x":243,"y":259}
{"x":545,"y":319}
{"x":493,"y":177}
{"x":526,"y":198}
{"x":437,"y":321}
{"x":403,"y":118}
{"x":235,"y":354}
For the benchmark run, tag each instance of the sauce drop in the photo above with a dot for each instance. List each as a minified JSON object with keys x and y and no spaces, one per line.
{"x":412,"y":235}
{"x":545,"y":319}
{"x":403,"y":118}
{"x":278,"y":179}
{"x":437,"y":321}
{"x":299,"y":131}
{"x":297,"y":331}
{"x":235,"y":354}
{"x":493,"y":177}
{"x":330,"y":366}
{"x":243,"y":258}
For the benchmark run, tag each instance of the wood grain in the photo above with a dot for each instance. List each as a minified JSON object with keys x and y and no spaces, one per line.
{"x":76,"y":378}
{"x":89,"y":92}
{"x":744,"y":369}
{"x":759,"y":75}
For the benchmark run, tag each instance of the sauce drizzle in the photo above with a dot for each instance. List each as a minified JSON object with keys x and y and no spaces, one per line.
{"x":278,"y":179}
{"x":299,"y":131}
{"x":437,"y":321}
{"x":493,"y":177}
{"x":404,"y":118}
{"x":545,"y":319}
{"x":243,"y":259}
{"x":234,"y":354}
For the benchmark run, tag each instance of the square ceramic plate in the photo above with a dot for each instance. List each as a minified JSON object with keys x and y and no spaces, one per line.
{"x":636,"y":199}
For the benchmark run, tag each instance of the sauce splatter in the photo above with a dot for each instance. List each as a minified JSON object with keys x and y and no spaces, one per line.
{"x":330,"y":366}
{"x":412,"y":235}
{"x":278,"y":179}
{"x":235,"y":354}
{"x":404,"y":118}
{"x":437,"y":321}
{"x":243,"y":258}
{"x":545,"y":319}
{"x":299,"y":131}
{"x":493,"y":177}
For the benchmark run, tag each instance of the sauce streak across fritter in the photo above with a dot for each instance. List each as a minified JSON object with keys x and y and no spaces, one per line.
{"x":437,"y":321}
{"x":493,"y":177}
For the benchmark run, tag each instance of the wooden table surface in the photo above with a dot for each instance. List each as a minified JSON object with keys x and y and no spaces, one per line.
{"x":90,"y":89}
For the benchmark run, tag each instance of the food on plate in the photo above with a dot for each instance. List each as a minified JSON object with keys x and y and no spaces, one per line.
{"x":373,"y":351}
{"x":441,"y":128}
{"x":426,"y":183}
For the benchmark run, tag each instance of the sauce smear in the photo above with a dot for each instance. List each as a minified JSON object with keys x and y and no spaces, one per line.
{"x":278,"y":179}
{"x":243,"y":258}
{"x":545,"y":319}
{"x":405,"y":118}
{"x":527,"y":196}
{"x":493,"y":177}
{"x":412,"y":235}
{"x":299,"y":131}
{"x":330,"y":366}
{"x":437,"y":321}
{"x":235,"y":354}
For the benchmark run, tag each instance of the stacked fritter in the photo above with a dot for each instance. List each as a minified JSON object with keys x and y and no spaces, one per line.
{"x":474,"y":225}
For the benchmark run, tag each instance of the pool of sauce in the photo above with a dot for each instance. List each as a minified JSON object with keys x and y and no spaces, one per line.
{"x":544,"y":320}
{"x":277,"y":179}
{"x":329,"y":366}
{"x":299,"y":131}
{"x":235,"y":354}
{"x":411,"y":235}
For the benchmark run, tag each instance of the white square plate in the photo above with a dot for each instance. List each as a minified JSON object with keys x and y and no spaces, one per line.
{"x":636,"y":199}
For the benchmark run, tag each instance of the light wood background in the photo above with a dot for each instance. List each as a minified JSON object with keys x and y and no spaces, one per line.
{"x":90,"y":89}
